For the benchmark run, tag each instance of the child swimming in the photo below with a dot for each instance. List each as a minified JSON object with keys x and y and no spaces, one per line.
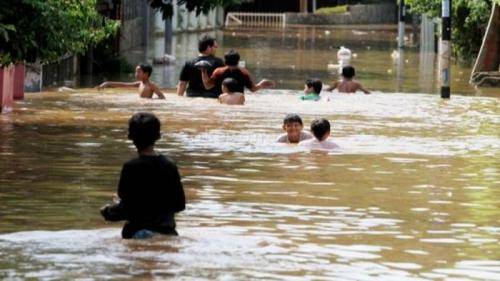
{"x":150,"y":188}
{"x":321,"y":131}
{"x":347,"y":84}
{"x":146,"y":88}
{"x":292,"y":125}
{"x":312,"y":89}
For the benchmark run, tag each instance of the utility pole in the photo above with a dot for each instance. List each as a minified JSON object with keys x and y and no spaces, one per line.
{"x":303,"y":6}
{"x":445,"y":50}
{"x":401,"y":26}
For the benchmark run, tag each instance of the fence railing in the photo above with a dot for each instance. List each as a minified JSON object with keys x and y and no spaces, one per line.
{"x":256,"y":19}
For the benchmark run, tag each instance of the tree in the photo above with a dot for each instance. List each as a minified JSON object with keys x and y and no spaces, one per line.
{"x":200,"y":6}
{"x":469,"y":21}
{"x":46,"y":30}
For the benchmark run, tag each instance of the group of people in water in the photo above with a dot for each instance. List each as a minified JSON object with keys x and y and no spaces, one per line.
{"x":210,"y":77}
{"x":150,"y":191}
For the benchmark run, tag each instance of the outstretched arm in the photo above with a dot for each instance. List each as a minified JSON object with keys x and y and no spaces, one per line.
{"x":263,"y":84}
{"x":208,"y":82}
{"x":112,"y":84}
{"x":332,"y":86}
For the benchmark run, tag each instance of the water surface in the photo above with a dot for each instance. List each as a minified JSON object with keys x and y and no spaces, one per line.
{"x":412,"y":194}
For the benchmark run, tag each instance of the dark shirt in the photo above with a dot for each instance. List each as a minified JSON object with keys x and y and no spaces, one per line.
{"x":150,"y":188}
{"x":192,"y":75}
{"x":239,"y":74}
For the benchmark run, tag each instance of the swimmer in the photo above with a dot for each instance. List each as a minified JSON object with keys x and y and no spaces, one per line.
{"x":321,"y":131}
{"x":348,"y":84}
{"x":150,"y":189}
{"x":312,"y":89}
{"x":232,"y":70}
{"x":292,"y":125}
{"x":145,"y":86}
{"x":230,"y":95}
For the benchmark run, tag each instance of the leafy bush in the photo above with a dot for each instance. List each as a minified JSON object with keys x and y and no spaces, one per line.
{"x":46,"y":30}
{"x":469,"y":22}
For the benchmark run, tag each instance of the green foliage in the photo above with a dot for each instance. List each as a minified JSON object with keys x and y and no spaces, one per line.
{"x":332,"y":10}
{"x":45,"y":30}
{"x":200,"y":6}
{"x":469,"y":21}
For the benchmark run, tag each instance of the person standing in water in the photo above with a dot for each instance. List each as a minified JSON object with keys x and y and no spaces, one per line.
{"x":145,"y":86}
{"x":150,"y":188}
{"x":230,"y":96}
{"x":232,"y":70}
{"x":348,"y":84}
{"x":190,"y":80}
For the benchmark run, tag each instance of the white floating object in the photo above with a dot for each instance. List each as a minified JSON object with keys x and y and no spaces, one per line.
{"x":395,"y":55}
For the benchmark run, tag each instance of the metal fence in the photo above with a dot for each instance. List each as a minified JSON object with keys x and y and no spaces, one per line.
{"x":277,"y":20}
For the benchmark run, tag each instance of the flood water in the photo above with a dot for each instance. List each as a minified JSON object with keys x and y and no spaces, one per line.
{"x":413,"y":193}
{"x":290,"y":55}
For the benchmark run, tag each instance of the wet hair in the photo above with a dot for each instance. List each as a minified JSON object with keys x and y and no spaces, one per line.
{"x":348,"y":72}
{"x":292,"y":118}
{"x":231,"y":58}
{"x":315,"y":83}
{"x":231,"y":84}
{"x":319,"y":127}
{"x":143,"y":129}
{"x":146,"y":68}
{"x":205,"y":42}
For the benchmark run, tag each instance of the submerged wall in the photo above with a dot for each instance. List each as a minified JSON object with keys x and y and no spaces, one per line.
{"x":357,"y":14}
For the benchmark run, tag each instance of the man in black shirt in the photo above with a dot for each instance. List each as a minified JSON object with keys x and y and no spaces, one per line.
{"x":150,"y":189}
{"x":191,"y":76}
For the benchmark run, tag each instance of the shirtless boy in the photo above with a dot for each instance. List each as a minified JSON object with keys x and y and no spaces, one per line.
{"x":348,"y":84}
{"x":146,"y":87}
{"x":321,"y":131}
{"x":230,"y":94}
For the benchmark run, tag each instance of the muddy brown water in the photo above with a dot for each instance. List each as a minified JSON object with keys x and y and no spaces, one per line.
{"x":413,"y":193}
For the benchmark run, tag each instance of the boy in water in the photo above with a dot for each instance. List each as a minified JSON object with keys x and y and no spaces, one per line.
{"x":230,"y":95}
{"x":321,"y":131}
{"x":146,"y":87}
{"x":292,"y":125}
{"x":232,"y":70}
{"x":348,"y":84}
{"x":312,"y":89}
{"x":150,"y":188}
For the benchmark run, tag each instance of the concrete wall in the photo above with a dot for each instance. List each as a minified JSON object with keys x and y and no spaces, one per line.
{"x":182,"y":20}
{"x":358,"y":14}
{"x":134,"y":27}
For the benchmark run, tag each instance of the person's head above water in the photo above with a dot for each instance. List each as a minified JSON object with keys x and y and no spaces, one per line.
{"x":320,"y":129}
{"x":292,"y":125}
{"x":313,"y":85}
{"x":207,"y":45}
{"x":143,"y":130}
{"x":143,"y":71}
{"x":229,"y":85}
{"x":232,"y":58}
{"x":348,"y":72}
